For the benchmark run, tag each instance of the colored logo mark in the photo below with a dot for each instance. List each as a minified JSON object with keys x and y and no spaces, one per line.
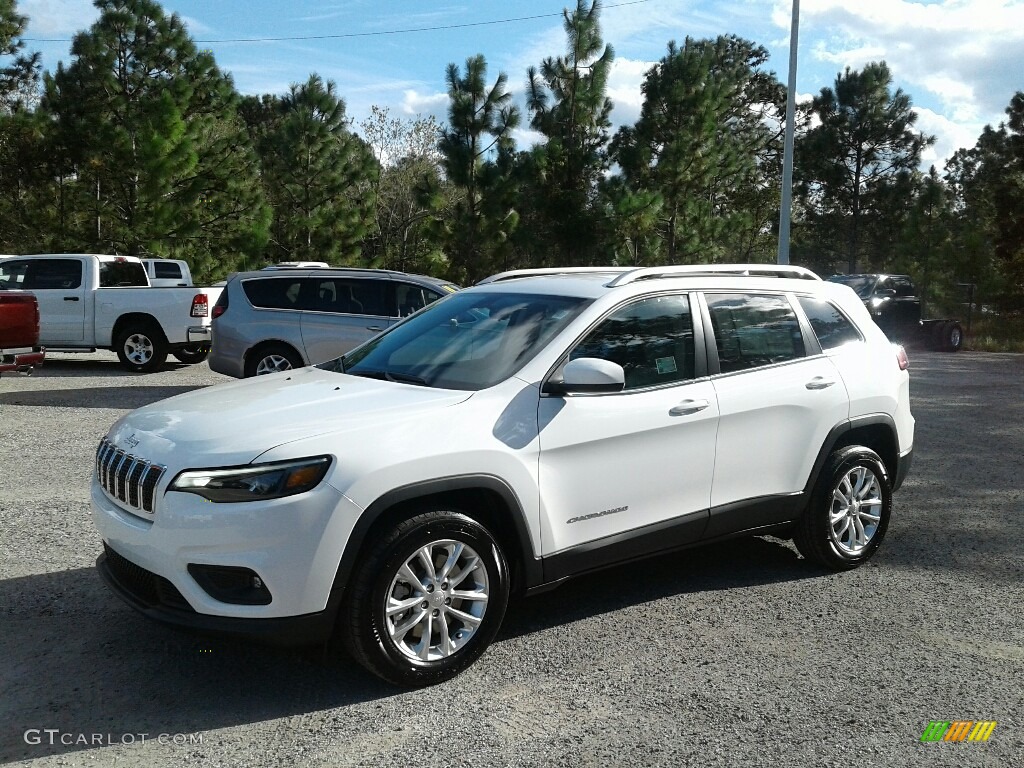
{"x":959,"y":730}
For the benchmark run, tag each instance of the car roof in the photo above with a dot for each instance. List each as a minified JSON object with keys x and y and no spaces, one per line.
{"x":322,"y":272}
{"x":594,"y":282}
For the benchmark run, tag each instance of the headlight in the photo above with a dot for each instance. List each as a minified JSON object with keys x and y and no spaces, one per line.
{"x":254,"y":483}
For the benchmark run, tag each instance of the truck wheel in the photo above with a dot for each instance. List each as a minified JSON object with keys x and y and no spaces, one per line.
{"x":849,"y":510}
{"x":426,"y":600}
{"x":952,"y":336}
{"x":141,"y":348}
{"x":191,"y":355}
{"x":271,"y":359}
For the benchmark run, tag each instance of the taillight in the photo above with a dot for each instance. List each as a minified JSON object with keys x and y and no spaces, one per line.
{"x":222,"y":304}
{"x":200,"y":305}
{"x":901,"y":357}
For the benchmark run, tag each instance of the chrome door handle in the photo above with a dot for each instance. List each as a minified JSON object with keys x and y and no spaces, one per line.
{"x":374,"y":328}
{"x":687,"y":407}
{"x":819,"y":382}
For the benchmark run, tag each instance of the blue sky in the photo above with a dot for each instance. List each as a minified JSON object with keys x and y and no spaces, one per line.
{"x":960,"y":60}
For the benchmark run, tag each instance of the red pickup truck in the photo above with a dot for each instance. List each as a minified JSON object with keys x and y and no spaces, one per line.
{"x":19,"y":332}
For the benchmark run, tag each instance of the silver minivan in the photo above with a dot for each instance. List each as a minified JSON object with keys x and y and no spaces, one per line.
{"x":270,"y":321}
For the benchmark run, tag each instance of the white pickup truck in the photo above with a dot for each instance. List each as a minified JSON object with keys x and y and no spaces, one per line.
{"x":89,"y":302}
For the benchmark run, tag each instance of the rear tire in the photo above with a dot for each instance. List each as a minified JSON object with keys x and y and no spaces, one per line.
{"x":141,"y":348}
{"x":191,"y":355}
{"x":271,"y":358}
{"x":846,"y":520}
{"x":952,"y":336}
{"x":426,"y":600}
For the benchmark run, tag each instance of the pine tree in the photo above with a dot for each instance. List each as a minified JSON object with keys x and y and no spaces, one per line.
{"x":708,"y":142}
{"x":474,"y":227}
{"x":318,"y":175}
{"x":856,"y":168}
{"x":569,"y":107}
{"x":163,"y":163}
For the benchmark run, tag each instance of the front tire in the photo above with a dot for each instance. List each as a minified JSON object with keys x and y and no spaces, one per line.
{"x":141,"y":348}
{"x":849,"y":510}
{"x":427,"y":600}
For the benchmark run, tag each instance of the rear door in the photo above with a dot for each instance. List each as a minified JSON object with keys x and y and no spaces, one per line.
{"x":59,"y":287}
{"x":779,"y":398}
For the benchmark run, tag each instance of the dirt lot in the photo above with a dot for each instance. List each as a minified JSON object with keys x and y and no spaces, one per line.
{"x":740,"y":654}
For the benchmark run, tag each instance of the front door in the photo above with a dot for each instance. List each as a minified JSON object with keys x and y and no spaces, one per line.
{"x":636,"y":463}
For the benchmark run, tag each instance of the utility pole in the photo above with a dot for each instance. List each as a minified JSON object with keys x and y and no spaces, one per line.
{"x":787,"y":156}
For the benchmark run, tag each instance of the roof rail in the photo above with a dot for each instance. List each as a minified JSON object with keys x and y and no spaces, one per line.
{"x":698,"y":270}
{"x":514,"y":273}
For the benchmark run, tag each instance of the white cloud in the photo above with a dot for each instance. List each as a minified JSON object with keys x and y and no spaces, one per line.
{"x":950,"y":136}
{"x":624,"y":89}
{"x":416,"y":103}
{"x":48,"y":18}
{"x":960,"y":60}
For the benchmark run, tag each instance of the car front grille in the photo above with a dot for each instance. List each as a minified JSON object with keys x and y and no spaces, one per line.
{"x":145,"y":586}
{"x":127,"y":478}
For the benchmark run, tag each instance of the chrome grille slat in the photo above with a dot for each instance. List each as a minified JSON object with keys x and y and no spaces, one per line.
{"x":128,"y":478}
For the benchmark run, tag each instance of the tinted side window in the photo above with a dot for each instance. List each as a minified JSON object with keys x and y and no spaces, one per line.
{"x":903,"y":286}
{"x":829,"y":324}
{"x":652,"y":339}
{"x":52,"y":274}
{"x":122,"y":274}
{"x":411,"y":298}
{"x":352,"y":297}
{"x":274,"y":293}
{"x":167,"y":270}
{"x":752,"y":330}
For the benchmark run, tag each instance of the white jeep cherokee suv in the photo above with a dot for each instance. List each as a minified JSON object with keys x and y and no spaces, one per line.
{"x":535,"y":427}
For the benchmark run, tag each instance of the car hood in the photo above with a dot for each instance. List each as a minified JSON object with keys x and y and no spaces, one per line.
{"x":232,"y":424}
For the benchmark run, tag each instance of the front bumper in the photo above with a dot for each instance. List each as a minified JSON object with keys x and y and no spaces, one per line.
{"x":156,"y":598}
{"x":293,"y":545}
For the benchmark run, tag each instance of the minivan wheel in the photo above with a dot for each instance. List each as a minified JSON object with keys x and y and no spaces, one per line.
{"x":849,"y":510}
{"x":141,"y":348}
{"x":271,"y":359}
{"x":427,"y":600}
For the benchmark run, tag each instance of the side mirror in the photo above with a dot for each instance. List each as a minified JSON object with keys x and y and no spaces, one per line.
{"x":591,"y":375}
{"x":885,"y":293}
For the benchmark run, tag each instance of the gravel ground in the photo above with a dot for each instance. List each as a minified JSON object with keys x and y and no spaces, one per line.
{"x":738,"y":654}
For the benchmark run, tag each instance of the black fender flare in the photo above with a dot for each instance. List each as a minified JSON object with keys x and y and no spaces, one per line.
{"x":532,"y":570}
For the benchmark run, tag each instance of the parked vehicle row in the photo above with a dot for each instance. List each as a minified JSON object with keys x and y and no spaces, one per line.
{"x":504,"y":438}
{"x":287,"y":317}
{"x":895,"y":306}
{"x":19,"y":332}
{"x":89,"y":302}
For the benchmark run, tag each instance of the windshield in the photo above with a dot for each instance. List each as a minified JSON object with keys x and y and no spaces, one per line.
{"x":468,"y":341}
{"x":862,"y":285}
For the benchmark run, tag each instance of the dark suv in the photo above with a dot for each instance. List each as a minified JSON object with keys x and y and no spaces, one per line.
{"x":271,"y":321}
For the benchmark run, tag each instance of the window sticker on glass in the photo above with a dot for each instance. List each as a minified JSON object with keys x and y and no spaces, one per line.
{"x":666,"y":365}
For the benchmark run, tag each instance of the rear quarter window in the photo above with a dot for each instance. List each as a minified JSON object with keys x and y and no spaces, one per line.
{"x":122,"y":274}
{"x":831,"y":326}
{"x":274,"y":293}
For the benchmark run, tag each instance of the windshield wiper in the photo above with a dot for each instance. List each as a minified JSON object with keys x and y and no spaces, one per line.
{"x":401,"y":378}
